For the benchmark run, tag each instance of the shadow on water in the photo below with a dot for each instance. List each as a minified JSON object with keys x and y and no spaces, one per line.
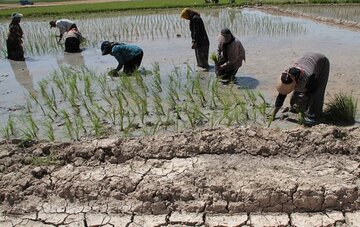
{"x":22,"y":74}
{"x":245,"y":82}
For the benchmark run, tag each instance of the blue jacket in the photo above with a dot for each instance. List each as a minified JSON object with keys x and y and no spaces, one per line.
{"x":124,"y":53}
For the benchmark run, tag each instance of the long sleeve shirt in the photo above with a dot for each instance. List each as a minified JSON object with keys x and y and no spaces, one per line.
{"x":15,"y":33}
{"x":124,"y":53}
{"x":198,"y":32}
{"x":311,"y":65}
{"x":64,"y":25}
{"x":231,"y":55}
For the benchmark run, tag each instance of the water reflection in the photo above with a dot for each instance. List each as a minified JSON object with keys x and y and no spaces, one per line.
{"x":71,"y":59}
{"x":22,"y":74}
{"x":155,"y":25}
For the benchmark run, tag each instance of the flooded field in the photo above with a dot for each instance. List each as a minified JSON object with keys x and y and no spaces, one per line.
{"x":346,"y":12}
{"x":58,"y":95}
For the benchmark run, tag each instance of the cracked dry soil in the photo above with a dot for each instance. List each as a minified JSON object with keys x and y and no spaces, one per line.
{"x":208,"y":171}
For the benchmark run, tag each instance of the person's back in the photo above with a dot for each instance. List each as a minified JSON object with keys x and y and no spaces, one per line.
{"x":124,"y":52}
{"x":198,"y":31}
{"x":64,"y":25}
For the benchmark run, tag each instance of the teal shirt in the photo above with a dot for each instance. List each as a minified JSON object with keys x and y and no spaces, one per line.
{"x":124,"y":53}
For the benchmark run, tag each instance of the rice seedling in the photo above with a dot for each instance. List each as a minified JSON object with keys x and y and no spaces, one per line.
{"x":49,"y":130}
{"x":159,"y":110}
{"x":120,"y":107}
{"x":79,"y":125}
{"x":214,"y":58}
{"x":68,"y":124}
{"x":147,"y":26}
{"x":341,"y":109}
{"x":33,"y":96}
{"x":214,"y":91}
{"x":140,"y":82}
{"x":8,"y":130}
{"x":96,"y":125}
{"x":94,"y":104}
{"x":30,"y":128}
{"x":88,"y":91}
{"x":197,"y":89}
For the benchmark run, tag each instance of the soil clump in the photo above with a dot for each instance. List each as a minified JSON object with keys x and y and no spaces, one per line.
{"x":212,"y":171}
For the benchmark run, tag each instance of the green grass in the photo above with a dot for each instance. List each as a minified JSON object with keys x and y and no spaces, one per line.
{"x":35,"y":1}
{"x":341,"y":109}
{"x":144,"y":4}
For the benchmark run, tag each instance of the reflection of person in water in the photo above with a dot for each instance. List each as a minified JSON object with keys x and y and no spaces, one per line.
{"x":75,"y":59}
{"x":14,"y":41}
{"x":22,"y":74}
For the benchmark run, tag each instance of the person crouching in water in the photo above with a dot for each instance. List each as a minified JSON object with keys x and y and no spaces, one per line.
{"x":200,"y":40}
{"x":231,"y":54}
{"x":308,"y":78}
{"x":72,"y":41}
{"x":127,"y":55}
{"x":14,"y":41}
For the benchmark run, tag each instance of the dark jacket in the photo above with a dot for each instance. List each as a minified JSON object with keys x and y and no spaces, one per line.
{"x":198,"y":32}
{"x":125,"y":52}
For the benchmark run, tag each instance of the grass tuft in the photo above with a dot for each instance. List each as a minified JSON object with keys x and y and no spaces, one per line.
{"x":341,"y":109}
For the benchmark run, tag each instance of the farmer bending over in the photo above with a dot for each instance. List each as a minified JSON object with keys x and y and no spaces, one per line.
{"x":308,"y":79}
{"x":231,"y":54}
{"x":72,"y":41}
{"x":127,"y":55}
{"x":64,"y":25}
{"x":200,"y":41}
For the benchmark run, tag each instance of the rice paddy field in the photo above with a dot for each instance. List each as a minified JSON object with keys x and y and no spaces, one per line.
{"x":348,"y":12}
{"x":59,"y":96}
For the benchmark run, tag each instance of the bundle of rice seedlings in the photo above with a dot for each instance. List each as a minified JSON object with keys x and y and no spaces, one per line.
{"x":214,"y":57}
{"x":341,"y":109}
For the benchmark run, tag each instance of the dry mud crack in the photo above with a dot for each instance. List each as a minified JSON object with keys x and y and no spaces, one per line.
{"x":209,"y":177}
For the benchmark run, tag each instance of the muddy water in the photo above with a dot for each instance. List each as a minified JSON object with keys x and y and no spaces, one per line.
{"x":272,"y":43}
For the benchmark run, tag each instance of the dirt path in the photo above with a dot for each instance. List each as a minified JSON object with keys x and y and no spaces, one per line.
{"x":185,"y":178}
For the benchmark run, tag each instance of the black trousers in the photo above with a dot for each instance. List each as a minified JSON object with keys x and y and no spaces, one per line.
{"x":72,"y":45}
{"x":202,"y":56}
{"x":133,"y":64}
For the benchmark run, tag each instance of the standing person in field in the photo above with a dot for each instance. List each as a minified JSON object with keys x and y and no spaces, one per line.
{"x":200,"y":41}
{"x":127,"y":55}
{"x":308,"y":78}
{"x":231,"y":54}
{"x":14,"y":41}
